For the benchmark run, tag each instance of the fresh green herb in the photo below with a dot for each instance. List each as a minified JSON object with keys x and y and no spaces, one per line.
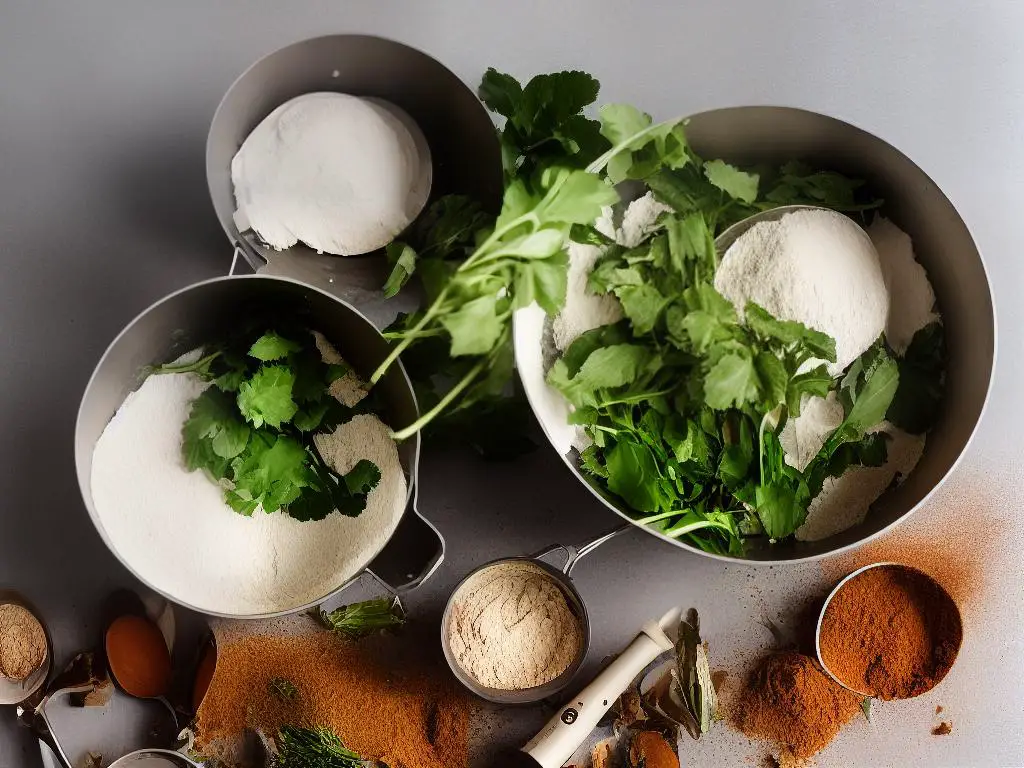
{"x":361,"y":619}
{"x":282,"y":689}
{"x":253,"y":429}
{"x":312,"y":748}
{"x":915,"y":406}
{"x":865,"y":707}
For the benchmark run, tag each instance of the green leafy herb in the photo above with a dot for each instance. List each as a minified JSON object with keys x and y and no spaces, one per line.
{"x":312,"y":748}
{"x":253,"y":430}
{"x":361,"y":619}
{"x":865,"y":707}
{"x":282,"y":689}
{"x":915,"y":407}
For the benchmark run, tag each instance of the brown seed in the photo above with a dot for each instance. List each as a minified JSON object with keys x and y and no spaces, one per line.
{"x":138,"y":657}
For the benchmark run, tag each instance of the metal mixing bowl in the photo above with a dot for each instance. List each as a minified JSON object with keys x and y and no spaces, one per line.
{"x":193,"y":316}
{"x":942,"y":243}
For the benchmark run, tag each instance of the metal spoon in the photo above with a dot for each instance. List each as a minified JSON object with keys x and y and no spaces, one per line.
{"x":731,"y":234}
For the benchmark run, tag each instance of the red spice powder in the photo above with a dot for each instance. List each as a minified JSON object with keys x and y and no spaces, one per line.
{"x":384,"y":704}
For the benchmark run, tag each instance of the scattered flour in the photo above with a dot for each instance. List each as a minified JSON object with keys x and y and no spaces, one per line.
{"x":640,"y":219}
{"x":844,"y":501}
{"x":512,"y":629}
{"x":173,"y":529}
{"x":816,"y":267}
{"x":802,"y":437}
{"x":912,"y":304}
{"x":583,"y":309}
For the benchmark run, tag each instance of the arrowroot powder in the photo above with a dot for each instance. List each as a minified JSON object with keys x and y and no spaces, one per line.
{"x":512,"y":629}
{"x":174,"y":530}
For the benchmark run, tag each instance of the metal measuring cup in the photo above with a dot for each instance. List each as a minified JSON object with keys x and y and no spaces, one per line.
{"x":562,"y":578}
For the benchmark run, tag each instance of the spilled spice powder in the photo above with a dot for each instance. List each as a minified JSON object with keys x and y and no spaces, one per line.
{"x":789,"y":701}
{"x":384,"y":703}
{"x":942,"y":729}
{"x":890,"y":632}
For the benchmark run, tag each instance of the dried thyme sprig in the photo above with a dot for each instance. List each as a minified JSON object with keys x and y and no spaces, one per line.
{"x":312,"y":748}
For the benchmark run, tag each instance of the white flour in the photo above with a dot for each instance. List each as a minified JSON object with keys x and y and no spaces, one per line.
{"x":511,"y":628}
{"x":816,"y":267}
{"x":341,"y":174}
{"x":844,"y":501}
{"x":174,"y":530}
{"x":802,"y":437}
{"x":583,"y":310}
{"x":913,"y":301}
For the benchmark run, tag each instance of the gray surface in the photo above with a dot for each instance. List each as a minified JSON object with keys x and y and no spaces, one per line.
{"x":104,"y":108}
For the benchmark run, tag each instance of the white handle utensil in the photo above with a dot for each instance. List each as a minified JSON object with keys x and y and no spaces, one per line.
{"x":572,"y":723}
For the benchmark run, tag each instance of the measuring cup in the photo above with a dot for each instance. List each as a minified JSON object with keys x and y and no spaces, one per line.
{"x":14,"y":692}
{"x":562,"y":577}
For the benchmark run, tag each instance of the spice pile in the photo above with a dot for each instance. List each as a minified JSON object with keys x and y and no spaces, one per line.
{"x":891,"y":633}
{"x":512,"y":629}
{"x":789,"y":701}
{"x":22,"y":642}
{"x":384,"y":702}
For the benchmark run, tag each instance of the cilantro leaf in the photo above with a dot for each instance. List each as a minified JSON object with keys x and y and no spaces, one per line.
{"x":731,"y":180}
{"x":362,"y":478}
{"x":402,"y":259}
{"x":915,"y":406}
{"x":544,"y":282}
{"x":639,"y":146}
{"x":604,"y":368}
{"x":643,"y":305}
{"x":266,"y":398}
{"x":500,"y":92}
{"x":213,"y":432}
{"x":781,"y":509}
{"x":789,"y":332}
{"x":633,"y":473}
{"x":271,"y":346}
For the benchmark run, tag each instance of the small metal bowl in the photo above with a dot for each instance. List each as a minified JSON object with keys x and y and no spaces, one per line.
{"x":561,"y":578}
{"x":11,"y":691}
{"x":898,"y":566}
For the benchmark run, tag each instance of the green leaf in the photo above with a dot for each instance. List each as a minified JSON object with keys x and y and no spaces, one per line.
{"x":500,"y":92}
{"x":309,"y":418}
{"x":732,"y":381}
{"x":772,"y":378}
{"x":731,"y":180}
{"x":819,"y":344}
{"x":591,"y":462}
{"x":266,"y":398}
{"x":640,"y":147}
{"x":363,"y":477}
{"x":690,"y":445}
{"x":213,"y":433}
{"x":605,"y":368}
{"x":633,"y":474}
{"x":781,"y":509}
{"x":691,"y":242}
{"x":874,"y":399}
{"x":312,"y":748}
{"x":643,"y":305}
{"x":283,"y":690}
{"x":574,"y":197}
{"x":362,"y":619}
{"x":403,"y":260}
{"x":474,"y":327}
{"x":543,"y":282}
{"x":915,"y":406}
{"x":271,"y":346}
{"x":549,"y":100}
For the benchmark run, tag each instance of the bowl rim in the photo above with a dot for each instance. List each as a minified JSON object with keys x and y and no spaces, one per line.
{"x":953,"y":467}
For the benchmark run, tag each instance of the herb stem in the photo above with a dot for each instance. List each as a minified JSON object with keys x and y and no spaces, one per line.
{"x":454,"y":392}
{"x":197,"y":365}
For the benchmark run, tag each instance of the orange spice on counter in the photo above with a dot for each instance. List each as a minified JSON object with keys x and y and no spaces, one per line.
{"x":383,"y":704}
{"x":788,"y":700}
{"x":649,"y":749}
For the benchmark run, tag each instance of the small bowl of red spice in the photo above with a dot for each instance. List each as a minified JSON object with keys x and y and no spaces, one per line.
{"x":888,"y":631}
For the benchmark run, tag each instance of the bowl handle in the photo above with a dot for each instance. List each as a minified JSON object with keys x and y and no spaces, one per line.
{"x":412,"y":554}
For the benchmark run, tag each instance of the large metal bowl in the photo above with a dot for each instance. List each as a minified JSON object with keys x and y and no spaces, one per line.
{"x":192,"y":317}
{"x":942,"y":243}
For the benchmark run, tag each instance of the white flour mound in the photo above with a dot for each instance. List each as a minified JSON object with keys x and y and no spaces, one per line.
{"x":173,"y":528}
{"x":816,"y":267}
{"x":802,"y":437}
{"x":341,"y":174}
{"x":844,"y":501}
{"x":584,"y":310}
{"x":913,"y":300}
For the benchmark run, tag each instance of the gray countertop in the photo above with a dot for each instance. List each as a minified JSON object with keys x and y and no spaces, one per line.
{"x":104,"y":108}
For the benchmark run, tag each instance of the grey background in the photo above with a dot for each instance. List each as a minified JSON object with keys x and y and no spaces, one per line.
{"x":104,"y":108}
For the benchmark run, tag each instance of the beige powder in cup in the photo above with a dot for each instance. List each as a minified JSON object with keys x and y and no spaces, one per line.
{"x":512,"y":629}
{"x":22,"y":642}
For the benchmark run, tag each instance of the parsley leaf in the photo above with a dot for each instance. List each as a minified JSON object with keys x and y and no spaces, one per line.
{"x":266,"y":398}
{"x":731,"y":180}
{"x":271,"y":346}
{"x":915,"y":406}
